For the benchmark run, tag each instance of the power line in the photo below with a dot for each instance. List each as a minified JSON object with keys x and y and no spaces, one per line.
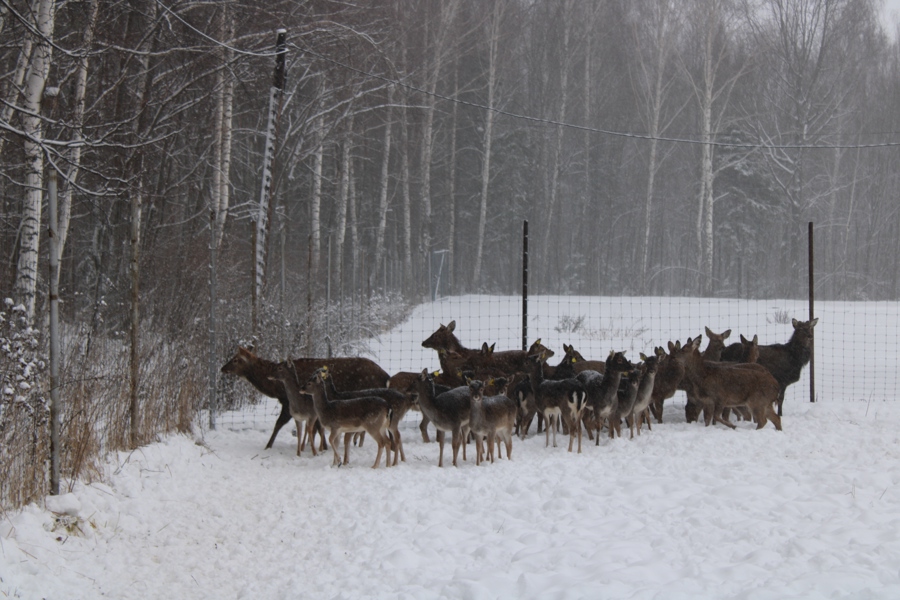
{"x":610,"y":132}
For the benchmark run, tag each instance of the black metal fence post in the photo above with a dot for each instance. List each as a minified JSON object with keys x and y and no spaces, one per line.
{"x":525,"y":285}
{"x":812,"y":297}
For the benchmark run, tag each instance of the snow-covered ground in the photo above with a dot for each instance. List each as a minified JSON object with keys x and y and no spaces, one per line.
{"x":683,"y":511}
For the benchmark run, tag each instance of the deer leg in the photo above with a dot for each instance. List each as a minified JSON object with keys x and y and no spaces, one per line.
{"x":780,"y":402}
{"x":423,"y":427}
{"x":333,"y":438}
{"x":456,"y":439}
{"x":301,"y":435}
{"x":508,"y":441}
{"x":347,"y":437}
{"x":398,"y":445}
{"x":656,"y":407}
{"x":283,"y":418}
{"x":718,"y":418}
{"x":440,"y":438}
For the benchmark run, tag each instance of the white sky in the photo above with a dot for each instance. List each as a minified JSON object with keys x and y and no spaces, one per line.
{"x":890,"y":15}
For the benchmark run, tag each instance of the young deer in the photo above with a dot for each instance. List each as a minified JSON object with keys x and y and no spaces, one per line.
{"x":602,"y":391}
{"x":492,"y":417}
{"x":784,"y":361}
{"x":367,"y":413}
{"x":719,"y":385}
{"x":557,"y":400}
{"x":449,"y":412}
{"x":641,"y":411}
{"x":301,"y":409}
{"x":399,"y":402}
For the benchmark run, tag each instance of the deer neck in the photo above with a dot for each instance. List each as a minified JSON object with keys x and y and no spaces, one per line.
{"x":258,"y":373}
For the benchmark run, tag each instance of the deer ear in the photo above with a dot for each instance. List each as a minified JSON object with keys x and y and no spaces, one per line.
{"x":813,"y":322}
{"x":795,"y":323}
{"x":643,"y":356}
{"x":755,"y":339}
{"x":484,"y":348}
{"x":538,"y":341}
{"x":612,"y":353}
{"x":708,"y":332}
{"x":451,"y":325}
{"x":726,"y":334}
{"x":493,"y":346}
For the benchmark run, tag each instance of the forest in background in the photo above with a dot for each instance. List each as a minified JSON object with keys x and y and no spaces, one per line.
{"x":666,"y":147}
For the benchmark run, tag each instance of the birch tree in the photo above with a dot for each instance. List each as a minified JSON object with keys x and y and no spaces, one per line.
{"x":383,"y":185}
{"x":32,"y":128}
{"x":711,"y":82}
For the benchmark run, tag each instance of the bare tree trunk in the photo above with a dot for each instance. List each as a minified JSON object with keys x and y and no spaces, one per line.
{"x":343,"y":199}
{"x":30,"y":236}
{"x":383,"y":188}
{"x":447,"y":15}
{"x":65,"y":204}
{"x":555,"y":164}
{"x":18,"y":78}
{"x":404,"y":186}
{"x":451,"y":186}
{"x":315,"y":217}
{"x":493,"y":42}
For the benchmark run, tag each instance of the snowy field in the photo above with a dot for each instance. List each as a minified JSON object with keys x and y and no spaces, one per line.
{"x":683,"y":511}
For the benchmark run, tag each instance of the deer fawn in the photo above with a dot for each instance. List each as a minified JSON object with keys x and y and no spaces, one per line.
{"x":641,"y":411}
{"x":492,"y":417}
{"x":562,"y":399}
{"x":669,"y":375}
{"x":626,"y":400}
{"x":449,"y":412}
{"x":367,"y":413}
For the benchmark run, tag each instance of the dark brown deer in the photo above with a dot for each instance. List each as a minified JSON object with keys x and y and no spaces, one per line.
{"x":720,"y":384}
{"x":669,"y":375}
{"x":348,"y":373}
{"x":627,"y":397}
{"x":784,"y":361}
{"x":602,"y":391}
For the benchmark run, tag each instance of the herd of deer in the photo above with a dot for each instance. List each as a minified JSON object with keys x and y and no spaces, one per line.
{"x":491,"y":395}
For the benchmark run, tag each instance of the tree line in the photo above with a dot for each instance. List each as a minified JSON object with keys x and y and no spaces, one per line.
{"x":656,"y":147}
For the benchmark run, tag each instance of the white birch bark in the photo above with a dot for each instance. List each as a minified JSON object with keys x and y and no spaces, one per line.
{"x":451,"y":185}
{"x":18,"y":78}
{"x":30,"y":229}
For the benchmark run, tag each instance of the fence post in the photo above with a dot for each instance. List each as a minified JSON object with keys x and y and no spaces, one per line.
{"x":54,"y":334}
{"x":812,"y":297}
{"x":525,"y":285}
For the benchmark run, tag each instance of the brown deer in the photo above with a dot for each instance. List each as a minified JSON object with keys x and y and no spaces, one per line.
{"x":348,"y":373}
{"x":492,"y":417}
{"x":507,"y":362}
{"x":449,"y":411}
{"x":719,"y":385}
{"x":669,"y":375}
{"x":713,"y":351}
{"x":784,"y":361}
{"x":602,"y":392}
